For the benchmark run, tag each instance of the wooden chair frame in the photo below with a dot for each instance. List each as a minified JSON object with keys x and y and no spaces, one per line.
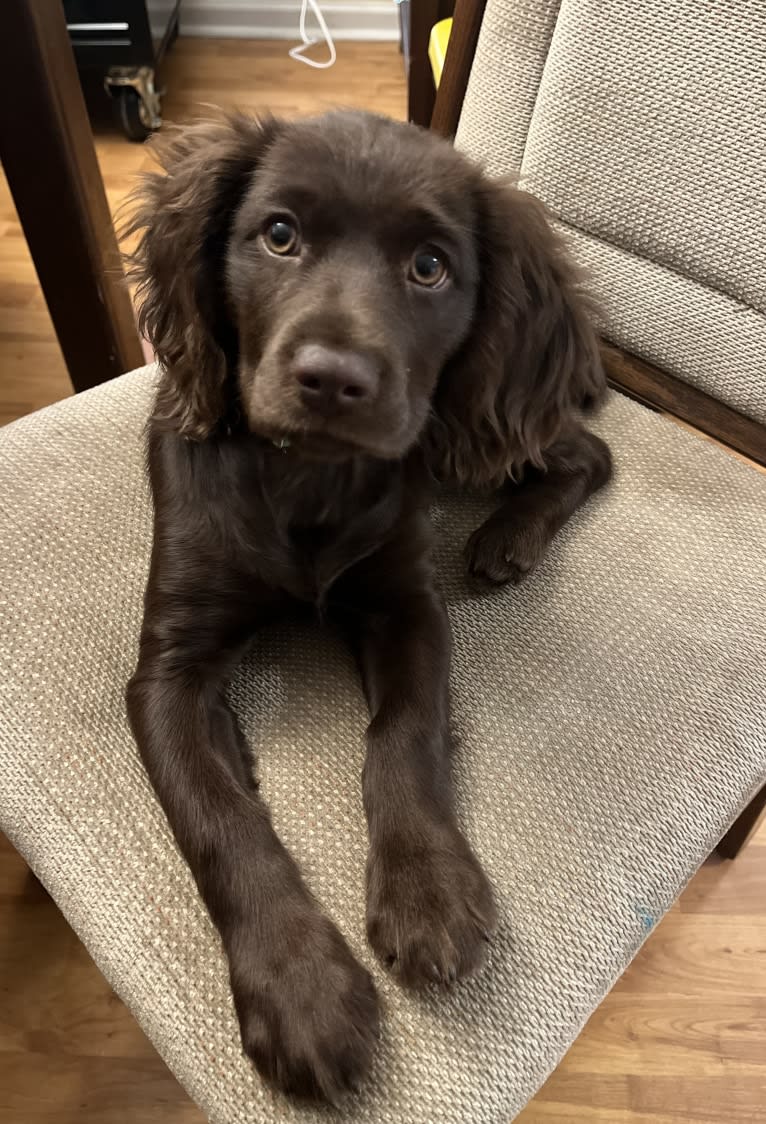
{"x":51,"y":167}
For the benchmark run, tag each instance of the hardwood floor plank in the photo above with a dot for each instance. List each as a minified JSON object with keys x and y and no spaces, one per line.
{"x":621,"y":1098}
{"x":661,"y":1036}
{"x":695,"y":957}
{"x":723,"y":887}
{"x":52,"y":1088}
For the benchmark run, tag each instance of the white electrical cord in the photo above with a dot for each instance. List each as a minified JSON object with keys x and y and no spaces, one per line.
{"x":298,"y":52}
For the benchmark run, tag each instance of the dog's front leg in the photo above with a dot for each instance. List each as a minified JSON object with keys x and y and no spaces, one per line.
{"x":307,"y":1010}
{"x":515,"y":538}
{"x":429,"y":904}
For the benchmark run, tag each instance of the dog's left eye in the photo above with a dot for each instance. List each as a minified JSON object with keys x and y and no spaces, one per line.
{"x":281,"y":236}
{"x":428,"y":268}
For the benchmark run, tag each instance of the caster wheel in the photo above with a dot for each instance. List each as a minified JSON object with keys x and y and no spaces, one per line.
{"x":131,"y":114}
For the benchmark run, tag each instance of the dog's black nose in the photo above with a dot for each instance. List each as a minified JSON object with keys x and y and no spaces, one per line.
{"x":333,"y":379}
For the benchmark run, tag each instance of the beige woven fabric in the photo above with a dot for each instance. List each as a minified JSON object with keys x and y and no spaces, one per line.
{"x":646,"y":133}
{"x":649,"y":133}
{"x":610,"y":718}
{"x":510,"y":56}
{"x":674,"y":322}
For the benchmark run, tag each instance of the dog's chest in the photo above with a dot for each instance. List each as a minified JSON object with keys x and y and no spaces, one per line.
{"x":309,"y":530}
{"x":310,"y":557}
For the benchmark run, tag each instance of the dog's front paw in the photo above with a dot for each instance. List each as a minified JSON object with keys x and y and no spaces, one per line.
{"x":430,"y":911}
{"x":308,"y":1011}
{"x":503,"y":550}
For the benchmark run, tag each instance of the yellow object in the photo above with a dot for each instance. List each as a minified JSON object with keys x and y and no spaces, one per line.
{"x":437,"y":47}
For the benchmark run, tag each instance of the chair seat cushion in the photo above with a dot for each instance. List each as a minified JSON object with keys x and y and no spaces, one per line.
{"x":609,"y":717}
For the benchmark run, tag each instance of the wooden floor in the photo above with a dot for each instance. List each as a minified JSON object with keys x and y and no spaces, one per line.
{"x":682,"y":1037}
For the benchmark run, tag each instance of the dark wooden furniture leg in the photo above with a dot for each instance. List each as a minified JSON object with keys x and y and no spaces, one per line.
{"x":51,"y":167}
{"x":457,"y":65}
{"x":743,"y":828}
{"x":421,"y":91}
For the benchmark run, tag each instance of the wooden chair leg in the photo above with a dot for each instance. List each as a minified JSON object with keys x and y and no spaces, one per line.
{"x":51,"y":167}
{"x":421,"y":92}
{"x":457,"y":66}
{"x":744,"y":827}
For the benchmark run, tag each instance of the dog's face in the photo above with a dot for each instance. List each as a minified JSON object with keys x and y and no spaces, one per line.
{"x":352,"y":275}
{"x":353,"y":285}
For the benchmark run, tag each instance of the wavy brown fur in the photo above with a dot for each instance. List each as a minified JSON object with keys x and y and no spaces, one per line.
{"x":184,"y":218}
{"x":532,"y":359}
{"x":308,"y":397}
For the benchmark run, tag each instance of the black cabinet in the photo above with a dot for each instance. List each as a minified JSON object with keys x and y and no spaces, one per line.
{"x":119,"y":45}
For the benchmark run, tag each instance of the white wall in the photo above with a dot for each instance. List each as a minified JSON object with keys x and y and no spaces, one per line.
{"x":278,"y":19}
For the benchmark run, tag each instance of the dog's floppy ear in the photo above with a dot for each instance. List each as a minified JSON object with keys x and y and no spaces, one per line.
{"x":184,"y":219}
{"x":532,"y":356}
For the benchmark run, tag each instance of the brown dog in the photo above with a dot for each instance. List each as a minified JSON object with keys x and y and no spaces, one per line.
{"x":344,"y":309}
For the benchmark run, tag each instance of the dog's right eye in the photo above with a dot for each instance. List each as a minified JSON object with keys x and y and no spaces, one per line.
{"x":280,"y":236}
{"x":428,"y":268}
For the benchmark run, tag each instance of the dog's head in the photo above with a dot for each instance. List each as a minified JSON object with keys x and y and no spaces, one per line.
{"x":354,"y":285}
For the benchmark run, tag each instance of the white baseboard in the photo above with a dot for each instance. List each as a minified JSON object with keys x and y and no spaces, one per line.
{"x":372,"y":20}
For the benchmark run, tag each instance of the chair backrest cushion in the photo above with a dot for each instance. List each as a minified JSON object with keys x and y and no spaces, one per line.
{"x":641,"y":126}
